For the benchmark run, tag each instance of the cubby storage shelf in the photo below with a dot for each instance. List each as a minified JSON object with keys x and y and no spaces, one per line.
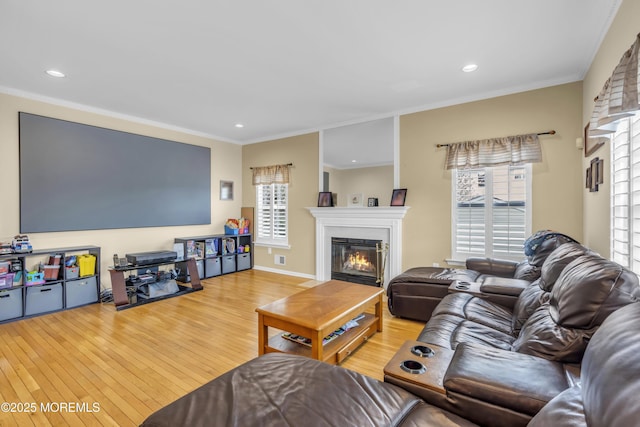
{"x":216,"y":254}
{"x":24,"y":301}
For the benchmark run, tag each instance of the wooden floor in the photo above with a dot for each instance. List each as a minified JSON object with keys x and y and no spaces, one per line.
{"x":97,"y":366}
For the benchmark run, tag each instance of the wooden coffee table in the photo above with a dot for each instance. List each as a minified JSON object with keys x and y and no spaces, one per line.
{"x":315,"y":313}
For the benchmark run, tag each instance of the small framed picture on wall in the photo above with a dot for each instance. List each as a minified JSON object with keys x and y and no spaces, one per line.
{"x":226,"y":190}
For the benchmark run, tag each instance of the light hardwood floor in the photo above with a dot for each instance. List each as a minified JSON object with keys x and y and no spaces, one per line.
{"x":97,"y":366}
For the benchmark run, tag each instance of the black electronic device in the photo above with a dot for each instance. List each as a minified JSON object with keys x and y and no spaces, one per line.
{"x":153,"y":257}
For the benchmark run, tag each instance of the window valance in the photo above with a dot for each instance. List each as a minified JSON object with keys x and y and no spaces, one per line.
{"x":510,"y":150}
{"x":275,"y":174}
{"x":620,"y":96}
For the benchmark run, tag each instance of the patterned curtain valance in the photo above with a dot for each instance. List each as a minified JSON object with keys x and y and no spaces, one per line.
{"x":510,"y":150}
{"x":620,"y":96}
{"x":276,"y":174}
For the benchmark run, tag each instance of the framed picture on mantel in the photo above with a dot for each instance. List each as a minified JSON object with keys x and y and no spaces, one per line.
{"x":398,"y":197}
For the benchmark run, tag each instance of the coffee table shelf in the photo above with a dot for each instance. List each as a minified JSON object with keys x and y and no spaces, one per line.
{"x":316,"y":312}
{"x":335,"y":351}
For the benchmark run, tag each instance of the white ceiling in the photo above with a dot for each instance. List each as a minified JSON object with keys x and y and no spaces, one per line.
{"x":285,"y":67}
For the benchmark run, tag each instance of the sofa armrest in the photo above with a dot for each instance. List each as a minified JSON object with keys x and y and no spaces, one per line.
{"x":490,"y":379}
{"x":492,"y":266}
{"x":503,"y":286}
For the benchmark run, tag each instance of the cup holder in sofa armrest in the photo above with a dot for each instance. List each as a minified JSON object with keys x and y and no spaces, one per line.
{"x":413,"y":367}
{"x":462,"y":285}
{"x":422,"y":351}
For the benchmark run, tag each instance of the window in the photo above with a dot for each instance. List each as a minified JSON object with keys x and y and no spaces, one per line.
{"x":498,"y":228}
{"x":625,"y":193}
{"x":271,"y":219}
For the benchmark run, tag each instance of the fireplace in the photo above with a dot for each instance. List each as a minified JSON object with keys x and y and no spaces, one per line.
{"x":382,"y":222}
{"x":356,"y":260}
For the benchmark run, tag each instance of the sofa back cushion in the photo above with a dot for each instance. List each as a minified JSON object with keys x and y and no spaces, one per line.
{"x":589,"y":289}
{"x":526,"y":271}
{"x":610,"y":375}
{"x":562,"y":256}
{"x":609,"y":379}
{"x":528,"y":301}
{"x":542,"y":337}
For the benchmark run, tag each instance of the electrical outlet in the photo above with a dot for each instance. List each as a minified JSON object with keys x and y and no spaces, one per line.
{"x":269,"y":251}
{"x":435,"y":264}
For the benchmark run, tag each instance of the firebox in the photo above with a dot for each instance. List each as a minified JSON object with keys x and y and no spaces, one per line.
{"x":356,"y":260}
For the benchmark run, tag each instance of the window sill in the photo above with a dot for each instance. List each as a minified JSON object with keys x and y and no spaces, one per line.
{"x":272,"y":245}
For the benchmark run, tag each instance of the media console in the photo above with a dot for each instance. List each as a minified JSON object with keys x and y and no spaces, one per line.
{"x":119,"y":287}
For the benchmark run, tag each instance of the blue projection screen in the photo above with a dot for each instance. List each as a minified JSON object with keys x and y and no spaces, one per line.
{"x":80,"y":177}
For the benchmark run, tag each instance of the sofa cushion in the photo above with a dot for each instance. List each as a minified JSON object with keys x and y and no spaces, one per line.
{"x":610,"y":375}
{"x":446,"y":330}
{"x":529,"y":300}
{"x":526,"y":271}
{"x":477,"y":310}
{"x":589,"y":289}
{"x":557,"y":261}
{"x":519,"y":382}
{"x":541,"y":336}
{"x":566,"y":409}
{"x":609,"y":380}
{"x":281,"y":389}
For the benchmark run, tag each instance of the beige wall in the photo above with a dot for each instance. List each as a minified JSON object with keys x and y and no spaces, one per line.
{"x":303,"y":152}
{"x":619,"y":38}
{"x":225,"y":165}
{"x":557,"y":181}
{"x":370,"y":182}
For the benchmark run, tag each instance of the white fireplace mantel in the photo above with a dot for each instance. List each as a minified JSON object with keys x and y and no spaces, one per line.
{"x":378,"y":223}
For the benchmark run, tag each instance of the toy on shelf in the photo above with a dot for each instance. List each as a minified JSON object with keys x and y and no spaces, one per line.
{"x":236,"y":226}
{"x":5,"y":248}
{"x":21,"y":244}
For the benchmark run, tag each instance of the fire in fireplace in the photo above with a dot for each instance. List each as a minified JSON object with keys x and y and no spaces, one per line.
{"x":356,"y":260}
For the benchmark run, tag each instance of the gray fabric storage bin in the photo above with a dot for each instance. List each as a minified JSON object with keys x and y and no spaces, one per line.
{"x":10,"y":303}
{"x":80,"y":292}
{"x":212,"y":267}
{"x":41,"y":299}
{"x":228,"y":264}
{"x":244,"y":261}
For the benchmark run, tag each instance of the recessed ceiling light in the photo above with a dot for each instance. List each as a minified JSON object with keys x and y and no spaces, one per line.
{"x":353,"y":161}
{"x":239,"y":125}
{"x":55,"y":73}
{"x":469,"y":68}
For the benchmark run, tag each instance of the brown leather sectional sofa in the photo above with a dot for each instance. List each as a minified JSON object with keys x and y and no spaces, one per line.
{"x":286,"y":390}
{"x":415,"y":293}
{"x":564,"y":350}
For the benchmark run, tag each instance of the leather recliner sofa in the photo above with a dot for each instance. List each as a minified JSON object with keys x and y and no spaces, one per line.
{"x":415,"y":293}
{"x":509,"y":362}
{"x":288,"y":390}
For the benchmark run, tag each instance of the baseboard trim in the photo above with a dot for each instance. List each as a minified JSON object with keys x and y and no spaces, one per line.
{"x":285,"y":272}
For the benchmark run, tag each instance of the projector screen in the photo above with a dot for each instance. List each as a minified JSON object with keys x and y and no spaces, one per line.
{"x":80,"y":177}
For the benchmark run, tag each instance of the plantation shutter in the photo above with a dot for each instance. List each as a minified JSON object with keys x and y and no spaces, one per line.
{"x":490,"y":212}
{"x":265,"y":223}
{"x":625,"y":194}
{"x":470,"y":223}
{"x":508,"y":211}
{"x":272,"y":213}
